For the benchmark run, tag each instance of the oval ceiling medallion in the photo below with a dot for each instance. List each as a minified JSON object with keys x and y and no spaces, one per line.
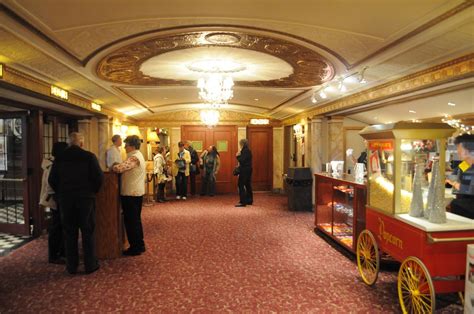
{"x":124,"y":64}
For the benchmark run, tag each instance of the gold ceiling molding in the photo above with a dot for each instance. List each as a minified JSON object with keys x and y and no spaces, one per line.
{"x":20,"y":79}
{"x":193,"y":117}
{"x":453,"y":70}
{"x":123,"y":65}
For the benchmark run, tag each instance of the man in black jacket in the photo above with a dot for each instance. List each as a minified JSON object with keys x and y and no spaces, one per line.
{"x":76,"y":178}
{"x":244,"y":156}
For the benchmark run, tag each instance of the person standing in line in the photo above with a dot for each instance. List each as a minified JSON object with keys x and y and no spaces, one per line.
{"x":181,"y":171}
{"x":244,"y":157}
{"x":114,"y":154}
{"x":132,"y":189}
{"x":211,"y":163}
{"x":56,"y":254}
{"x":463,"y":185}
{"x":193,"y":166}
{"x":76,"y":178}
{"x":159,"y":170}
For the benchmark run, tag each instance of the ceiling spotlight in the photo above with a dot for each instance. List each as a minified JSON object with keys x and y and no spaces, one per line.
{"x":256,"y":99}
{"x":411,"y":111}
{"x":323,"y":95}
{"x":451,"y":104}
{"x":313,"y":99}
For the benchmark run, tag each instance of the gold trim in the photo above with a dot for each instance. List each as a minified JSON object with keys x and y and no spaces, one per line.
{"x":453,"y":70}
{"x":123,"y":64}
{"x":20,"y":79}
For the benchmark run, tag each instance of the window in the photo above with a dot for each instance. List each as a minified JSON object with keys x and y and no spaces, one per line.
{"x":47,"y":139}
{"x":63,"y":132}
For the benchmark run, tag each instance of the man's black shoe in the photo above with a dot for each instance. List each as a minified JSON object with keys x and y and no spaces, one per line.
{"x":130,"y":252}
{"x":58,"y":261}
{"x":240,"y":205}
{"x":90,"y":271}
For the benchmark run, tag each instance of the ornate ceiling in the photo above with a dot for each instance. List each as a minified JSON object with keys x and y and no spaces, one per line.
{"x":123,"y":65}
{"x":127,"y":57}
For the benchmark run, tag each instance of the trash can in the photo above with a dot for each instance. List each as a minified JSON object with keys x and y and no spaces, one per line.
{"x":299,"y":184}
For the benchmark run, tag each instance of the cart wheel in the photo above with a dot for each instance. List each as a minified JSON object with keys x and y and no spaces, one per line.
{"x":368,"y":260}
{"x":415,"y":287}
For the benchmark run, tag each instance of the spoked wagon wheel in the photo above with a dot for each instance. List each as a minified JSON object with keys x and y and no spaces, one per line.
{"x":368,"y":260}
{"x":415,"y":287}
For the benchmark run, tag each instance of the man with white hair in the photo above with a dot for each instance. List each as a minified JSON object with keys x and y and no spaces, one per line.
{"x":76,"y":178}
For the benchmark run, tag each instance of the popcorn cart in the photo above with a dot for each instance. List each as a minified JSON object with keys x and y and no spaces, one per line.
{"x":432,"y":255}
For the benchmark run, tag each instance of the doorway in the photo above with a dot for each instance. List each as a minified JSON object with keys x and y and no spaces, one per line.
{"x":14,"y":209}
{"x":225,"y":139}
{"x":261,"y":144}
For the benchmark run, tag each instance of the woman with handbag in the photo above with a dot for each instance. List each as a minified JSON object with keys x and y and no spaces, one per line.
{"x":159,"y":170}
{"x":244,"y":171}
{"x":211,"y":163}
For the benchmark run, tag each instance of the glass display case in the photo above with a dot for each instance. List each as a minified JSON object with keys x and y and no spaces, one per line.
{"x":393,"y":152}
{"x":340,"y":208}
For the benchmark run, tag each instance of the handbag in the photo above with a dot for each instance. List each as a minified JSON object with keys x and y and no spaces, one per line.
{"x":236,"y":171}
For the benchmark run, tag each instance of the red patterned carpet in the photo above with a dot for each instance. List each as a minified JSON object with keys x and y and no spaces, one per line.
{"x":204,"y":255}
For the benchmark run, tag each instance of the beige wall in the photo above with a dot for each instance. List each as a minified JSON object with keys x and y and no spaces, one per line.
{"x":241,"y":133}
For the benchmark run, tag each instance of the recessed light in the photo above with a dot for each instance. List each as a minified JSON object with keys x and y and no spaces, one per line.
{"x":411,"y":111}
{"x":256,"y":99}
{"x":165,"y":98}
{"x":451,"y":104}
{"x":375,"y":118}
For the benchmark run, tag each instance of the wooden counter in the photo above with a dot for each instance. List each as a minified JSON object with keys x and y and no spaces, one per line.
{"x":340,"y":208}
{"x":109,"y":226}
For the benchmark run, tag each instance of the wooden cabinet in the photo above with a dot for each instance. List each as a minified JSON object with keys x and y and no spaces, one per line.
{"x":340,"y":208}
{"x":109,"y":227}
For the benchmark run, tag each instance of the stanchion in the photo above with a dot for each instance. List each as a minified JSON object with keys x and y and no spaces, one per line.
{"x":149,"y":177}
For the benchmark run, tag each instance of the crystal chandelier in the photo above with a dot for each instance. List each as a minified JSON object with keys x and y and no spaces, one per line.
{"x":210,"y":117}
{"x":216,"y":89}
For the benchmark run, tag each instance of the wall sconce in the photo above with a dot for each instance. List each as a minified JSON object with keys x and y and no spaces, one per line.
{"x":298,"y":132}
{"x":152,"y":137}
{"x":133,"y":130}
{"x":1,"y":70}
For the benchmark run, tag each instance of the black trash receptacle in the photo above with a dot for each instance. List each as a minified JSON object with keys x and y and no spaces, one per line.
{"x":299,"y":185}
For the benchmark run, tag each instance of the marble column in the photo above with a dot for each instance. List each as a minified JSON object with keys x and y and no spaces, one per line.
{"x":316,"y":148}
{"x":278,"y":151}
{"x":316,"y":144}
{"x":104,"y":141}
{"x":84,"y":127}
{"x":336,"y":138}
{"x":143,"y":146}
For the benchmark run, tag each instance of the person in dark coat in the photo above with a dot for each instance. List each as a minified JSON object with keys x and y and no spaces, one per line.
{"x":463,"y":185}
{"x":244,"y":157}
{"x":76,"y":178}
{"x":56,"y":254}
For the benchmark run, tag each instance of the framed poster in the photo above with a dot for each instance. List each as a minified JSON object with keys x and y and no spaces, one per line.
{"x":197,"y":145}
{"x":222,"y":146}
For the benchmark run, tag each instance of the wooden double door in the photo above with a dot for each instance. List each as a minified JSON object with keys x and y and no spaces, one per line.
{"x":225,"y":139}
{"x":261,"y":144}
